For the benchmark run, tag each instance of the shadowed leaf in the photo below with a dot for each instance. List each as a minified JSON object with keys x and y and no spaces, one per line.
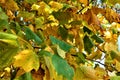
{"x":62,"y":67}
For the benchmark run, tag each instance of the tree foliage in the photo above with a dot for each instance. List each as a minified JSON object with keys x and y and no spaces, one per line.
{"x":59,"y":39}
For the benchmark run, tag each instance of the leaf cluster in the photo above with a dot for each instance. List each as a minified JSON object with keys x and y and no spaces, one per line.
{"x":59,"y":40}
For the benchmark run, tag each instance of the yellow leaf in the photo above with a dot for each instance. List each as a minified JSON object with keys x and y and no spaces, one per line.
{"x":117,"y":65}
{"x":27,"y":60}
{"x":100,"y":72}
{"x":35,"y":7}
{"x":61,"y":52}
{"x":44,"y":9}
{"x":50,"y":67}
{"x":10,"y":5}
{"x":55,"y":5}
{"x":85,"y":73}
{"x":110,"y":46}
{"x":85,"y":2}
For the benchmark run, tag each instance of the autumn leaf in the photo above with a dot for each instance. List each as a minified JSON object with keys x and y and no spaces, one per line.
{"x":86,"y":73}
{"x":55,"y":5}
{"x":27,"y":60}
{"x":113,"y":1}
{"x":85,"y":2}
{"x":10,"y":5}
{"x":31,"y":1}
{"x":59,"y":39}
{"x":60,"y":52}
{"x":62,"y":17}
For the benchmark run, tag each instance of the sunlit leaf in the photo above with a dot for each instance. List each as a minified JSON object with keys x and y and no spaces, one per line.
{"x":100,"y":72}
{"x":111,"y":46}
{"x":30,"y":35}
{"x":48,"y":61}
{"x":44,"y":9}
{"x":8,"y":49}
{"x":115,"y":78}
{"x":27,"y":60}
{"x":62,"y":67}
{"x":8,"y":36}
{"x":85,"y":2}
{"x":60,"y":52}
{"x":55,"y":5}
{"x":85,"y":73}
{"x":117,"y":65}
{"x":63,"y":45}
{"x":11,"y":5}
{"x":113,"y":1}
{"x":26,"y":15}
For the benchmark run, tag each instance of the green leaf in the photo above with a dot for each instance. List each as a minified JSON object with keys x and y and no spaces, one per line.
{"x":88,"y":44}
{"x":62,"y":67}
{"x":85,"y":29}
{"x":6,"y":56}
{"x":80,"y":58}
{"x":8,"y":36}
{"x":44,"y":53}
{"x":78,"y":22}
{"x":62,"y":17}
{"x":63,"y":32}
{"x":3,"y":19}
{"x":63,"y":45}
{"x":26,"y":15}
{"x":114,"y":55}
{"x":39,"y":22}
{"x":115,"y":78}
{"x":8,"y":40}
{"x":30,"y":35}
{"x":26,"y":76}
{"x":15,"y":26}
{"x":97,"y":39}
{"x":118,"y":73}
{"x":8,"y":49}
{"x":3,"y":16}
